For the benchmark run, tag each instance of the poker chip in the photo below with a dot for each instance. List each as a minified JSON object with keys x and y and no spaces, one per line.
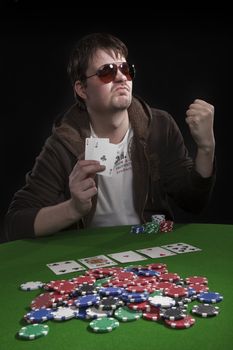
{"x":126,"y":314}
{"x":153,"y":314}
{"x":199,"y":287}
{"x":87,"y":300}
{"x":113,"y":291}
{"x":93,"y":312}
{"x":44,"y":300}
{"x":39,"y":315}
{"x":183,"y":323}
{"x":128,"y":293}
{"x":161,"y":301}
{"x":32,"y":285}
{"x":166,"y":226}
{"x":196,"y":280}
{"x":143,"y":306}
{"x":173,"y":313}
{"x":176,"y":291}
{"x":33,"y":331}
{"x":104,"y":324}
{"x":109,"y":303}
{"x":210,"y":297}
{"x":63,"y":314}
{"x":83,"y":280}
{"x":169,"y":276}
{"x":205,"y":310}
{"x":86,"y":289}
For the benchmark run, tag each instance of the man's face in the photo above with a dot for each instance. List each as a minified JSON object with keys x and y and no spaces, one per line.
{"x":109,"y":97}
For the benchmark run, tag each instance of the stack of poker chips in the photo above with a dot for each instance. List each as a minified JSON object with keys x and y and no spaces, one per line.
{"x":108,"y":297}
{"x":157,"y":224}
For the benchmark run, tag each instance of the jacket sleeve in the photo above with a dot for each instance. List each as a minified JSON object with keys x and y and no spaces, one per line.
{"x":45,"y":185}
{"x":189,"y":189}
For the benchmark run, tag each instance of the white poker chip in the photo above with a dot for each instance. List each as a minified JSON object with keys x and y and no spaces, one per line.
{"x":32,"y":285}
{"x":94,"y":312}
{"x":63,"y":314}
{"x":161,"y":301}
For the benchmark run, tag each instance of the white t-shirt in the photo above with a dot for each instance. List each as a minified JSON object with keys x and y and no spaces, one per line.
{"x":115,"y":194}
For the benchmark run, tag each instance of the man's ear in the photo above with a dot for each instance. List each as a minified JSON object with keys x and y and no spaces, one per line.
{"x":80,"y":89}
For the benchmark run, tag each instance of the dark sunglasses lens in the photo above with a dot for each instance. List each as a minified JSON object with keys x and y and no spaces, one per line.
{"x":128,"y":70}
{"x":107,"y":73}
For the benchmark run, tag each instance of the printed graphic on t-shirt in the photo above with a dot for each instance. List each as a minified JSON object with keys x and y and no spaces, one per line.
{"x":123,"y":163}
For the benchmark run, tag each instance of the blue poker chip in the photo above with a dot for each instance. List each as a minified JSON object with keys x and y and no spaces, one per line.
{"x":113,"y":291}
{"x":210,"y":297}
{"x":136,"y":229}
{"x":39,"y":315}
{"x":87,"y":300}
{"x":81,"y":313}
{"x":147,"y":272}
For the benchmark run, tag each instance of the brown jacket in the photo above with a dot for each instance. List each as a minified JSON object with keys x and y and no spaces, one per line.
{"x":160,"y":161}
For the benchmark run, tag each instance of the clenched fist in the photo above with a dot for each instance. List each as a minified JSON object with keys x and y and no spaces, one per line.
{"x":200,"y":119}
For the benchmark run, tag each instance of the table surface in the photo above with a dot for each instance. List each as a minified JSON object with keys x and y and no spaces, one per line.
{"x":26,"y":260}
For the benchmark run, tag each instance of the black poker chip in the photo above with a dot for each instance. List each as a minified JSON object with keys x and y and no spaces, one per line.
{"x":86,"y":289}
{"x":205,"y":310}
{"x":173,"y":313}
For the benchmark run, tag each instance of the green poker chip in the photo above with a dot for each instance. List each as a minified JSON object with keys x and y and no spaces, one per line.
{"x":33,"y":331}
{"x":126,"y":314}
{"x":104,"y":324}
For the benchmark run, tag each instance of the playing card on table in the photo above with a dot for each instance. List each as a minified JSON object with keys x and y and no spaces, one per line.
{"x":95,"y":262}
{"x":155,"y":252}
{"x":127,"y":256}
{"x":67,"y":266}
{"x":181,"y":248}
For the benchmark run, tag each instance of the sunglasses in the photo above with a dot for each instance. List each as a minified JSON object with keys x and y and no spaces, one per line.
{"x":107,"y":73}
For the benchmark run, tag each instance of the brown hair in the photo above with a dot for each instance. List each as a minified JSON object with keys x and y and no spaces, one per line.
{"x":85,"y":49}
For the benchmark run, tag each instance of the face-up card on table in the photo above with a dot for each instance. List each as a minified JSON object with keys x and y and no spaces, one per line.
{"x":155,"y":252}
{"x":127,"y":256}
{"x":95,"y":262}
{"x":62,"y":267}
{"x":181,"y":248}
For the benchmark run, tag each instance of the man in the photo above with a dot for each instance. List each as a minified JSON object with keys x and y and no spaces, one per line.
{"x":63,"y":190}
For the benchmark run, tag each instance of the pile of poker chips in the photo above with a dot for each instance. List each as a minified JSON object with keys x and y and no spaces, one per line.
{"x":110,"y":296}
{"x":157,"y":224}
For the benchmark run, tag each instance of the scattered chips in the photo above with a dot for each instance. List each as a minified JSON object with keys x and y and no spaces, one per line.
{"x":124,"y":294}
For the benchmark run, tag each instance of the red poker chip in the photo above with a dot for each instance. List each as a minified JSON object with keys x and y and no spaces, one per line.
{"x":63,"y":286}
{"x":162,"y":285}
{"x":124,"y":276}
{"x":199,"y":287}
{"x":171,"y":277}
{"x":152,"y":315}
{"x":166,"y":226}
{"x":156,"y":266}
{"x":45,"y":300}
{"x":83,"y":280}
{"x":183,"y":323}
{"x":176,"y":291}
{"x":196,"y":280}
{"x":143,"y":306}
{"x":137,"y":289}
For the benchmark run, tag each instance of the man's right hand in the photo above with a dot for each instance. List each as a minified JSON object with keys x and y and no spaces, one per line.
{"x":82,"y":185}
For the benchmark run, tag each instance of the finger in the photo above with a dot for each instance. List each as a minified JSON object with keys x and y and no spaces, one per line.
{"x":83,"y":171}
{"x":87,"y":184}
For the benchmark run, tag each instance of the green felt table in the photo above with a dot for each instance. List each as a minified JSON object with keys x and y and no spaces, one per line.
{"x":26,"y":260}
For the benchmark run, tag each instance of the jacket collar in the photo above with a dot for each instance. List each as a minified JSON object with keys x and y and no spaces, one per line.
{"x":74,"y":126}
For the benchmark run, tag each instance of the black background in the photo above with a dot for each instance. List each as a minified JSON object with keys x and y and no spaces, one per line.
{"x":179,"y":55}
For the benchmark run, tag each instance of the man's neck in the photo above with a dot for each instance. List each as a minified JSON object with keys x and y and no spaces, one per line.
{"x":113,"y":127}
